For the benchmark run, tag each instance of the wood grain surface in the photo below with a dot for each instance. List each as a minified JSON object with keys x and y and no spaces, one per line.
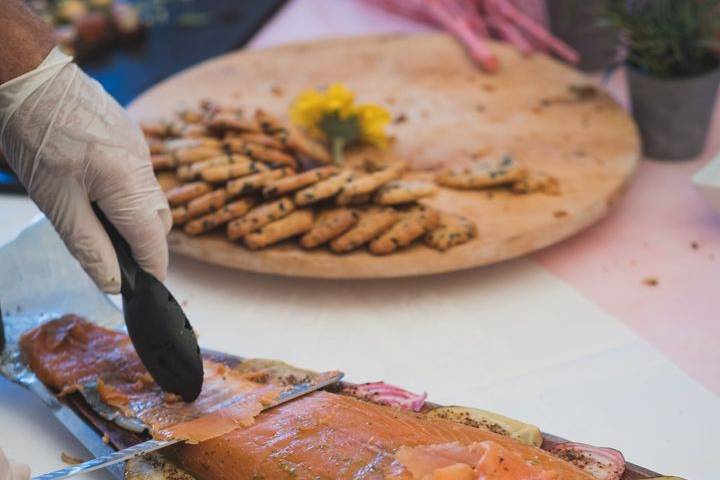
{"x":445,"y":111}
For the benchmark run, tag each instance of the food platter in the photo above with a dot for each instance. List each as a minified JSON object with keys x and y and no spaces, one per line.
{"x":142,"y":468}
{"x":63,"y":288}
{"x":82,"y":411}
{"x":446,"y":110}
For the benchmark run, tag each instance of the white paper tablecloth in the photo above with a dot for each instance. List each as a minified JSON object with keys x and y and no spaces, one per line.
{"x":510,"y":338}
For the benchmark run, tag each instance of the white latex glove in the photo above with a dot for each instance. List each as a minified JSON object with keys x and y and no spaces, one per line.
{"x":70,"y":143}
{"x":10,"y":470}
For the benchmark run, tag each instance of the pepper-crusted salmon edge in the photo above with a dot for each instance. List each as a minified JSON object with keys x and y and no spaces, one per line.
{"x":67,"y":352}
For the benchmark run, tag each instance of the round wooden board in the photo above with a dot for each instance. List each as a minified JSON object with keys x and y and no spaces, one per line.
{"x":449,"y":111}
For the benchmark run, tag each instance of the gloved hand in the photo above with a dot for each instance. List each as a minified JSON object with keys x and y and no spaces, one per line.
{"x":70,"y":143}
{"x":10,"y":470}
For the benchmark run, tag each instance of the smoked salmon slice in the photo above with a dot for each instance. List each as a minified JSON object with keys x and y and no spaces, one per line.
{"x":68,"y":352}
{"x":477,"y":461}
{"x":321,"y":436}
{"x":327,"y":436}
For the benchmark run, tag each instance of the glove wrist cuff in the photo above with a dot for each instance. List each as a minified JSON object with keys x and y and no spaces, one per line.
{"x":14,"y":92}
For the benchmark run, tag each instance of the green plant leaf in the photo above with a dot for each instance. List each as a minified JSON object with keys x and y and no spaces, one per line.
{"x":334,"y":127}
{"x":667,"y":38}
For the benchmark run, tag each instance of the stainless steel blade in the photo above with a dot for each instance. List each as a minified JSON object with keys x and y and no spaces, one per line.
{"x":85,"y":434}
{"x":113,"y":458}
{"x":107,"y":460}
{"x":36,"y":287}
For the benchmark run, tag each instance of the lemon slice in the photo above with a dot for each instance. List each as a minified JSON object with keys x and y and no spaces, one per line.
{"x":474,"y":417}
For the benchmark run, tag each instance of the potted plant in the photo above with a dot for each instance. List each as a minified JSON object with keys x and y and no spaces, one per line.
{"x":576,"y":23}
{"x":671,"y":52}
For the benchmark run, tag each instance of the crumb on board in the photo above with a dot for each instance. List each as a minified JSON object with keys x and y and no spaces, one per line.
{"x":651,"y":281}
{"x":401,"y":118}
{"x":481,"y":152}
{"x":560,"y":213}
{"x":583,"y":92}
{"x":277,"y":90}
{"x":694,"y":245}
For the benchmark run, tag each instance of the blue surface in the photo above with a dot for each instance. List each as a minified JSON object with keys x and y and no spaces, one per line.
{"x":170,"y":47}
{"x":127,"y":71}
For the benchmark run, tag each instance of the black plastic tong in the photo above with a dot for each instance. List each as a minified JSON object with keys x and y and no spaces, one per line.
{"x":159,"y":330}
{"x":2,"y":331}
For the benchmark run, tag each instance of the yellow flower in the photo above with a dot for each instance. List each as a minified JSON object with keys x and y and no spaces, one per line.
{"x":311,"y":107}
{"x":307,"y":111}
{"x":339,"y":99}
{"x":372,"y":120}
{"x":333,"y":115}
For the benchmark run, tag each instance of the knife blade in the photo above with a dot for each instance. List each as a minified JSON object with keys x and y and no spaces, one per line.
{"x":85,"y":433}
{"x":67,"y":416}
{"x":326,"y":379}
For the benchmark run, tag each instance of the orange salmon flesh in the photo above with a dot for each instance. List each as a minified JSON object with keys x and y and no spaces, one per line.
{"x":321,"y":436}
{"x":69,"y":351}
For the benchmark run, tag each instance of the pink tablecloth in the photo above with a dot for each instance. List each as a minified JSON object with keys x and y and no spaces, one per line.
{"x":661,"y":229}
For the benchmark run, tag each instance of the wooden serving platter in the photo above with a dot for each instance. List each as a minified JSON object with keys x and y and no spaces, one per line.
{"x":445,"y":110}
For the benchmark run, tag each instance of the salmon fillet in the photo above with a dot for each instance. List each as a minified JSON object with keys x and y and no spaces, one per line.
{"x":322,"y":436}
{"x":67,"y":352}
{"x":328,"y":436}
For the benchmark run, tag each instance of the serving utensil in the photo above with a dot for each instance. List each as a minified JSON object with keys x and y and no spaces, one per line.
{"x":144,"y":448}
{"x":159,"y":330}
{"x":2,"y":331}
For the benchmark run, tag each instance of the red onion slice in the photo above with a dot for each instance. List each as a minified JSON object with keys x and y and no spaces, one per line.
{"x":385,"y":394}
{"x":601,"y":463}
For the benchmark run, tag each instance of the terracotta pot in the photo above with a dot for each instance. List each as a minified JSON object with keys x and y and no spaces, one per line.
{"x":673,"y":114}
{"x":576,"y":23}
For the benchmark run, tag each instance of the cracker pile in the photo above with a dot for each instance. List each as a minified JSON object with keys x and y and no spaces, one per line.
{"x":264,"y":182}
{"x":489,"y":172}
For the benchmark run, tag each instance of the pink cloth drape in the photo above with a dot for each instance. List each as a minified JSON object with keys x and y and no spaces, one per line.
{"x":520,"y":22}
